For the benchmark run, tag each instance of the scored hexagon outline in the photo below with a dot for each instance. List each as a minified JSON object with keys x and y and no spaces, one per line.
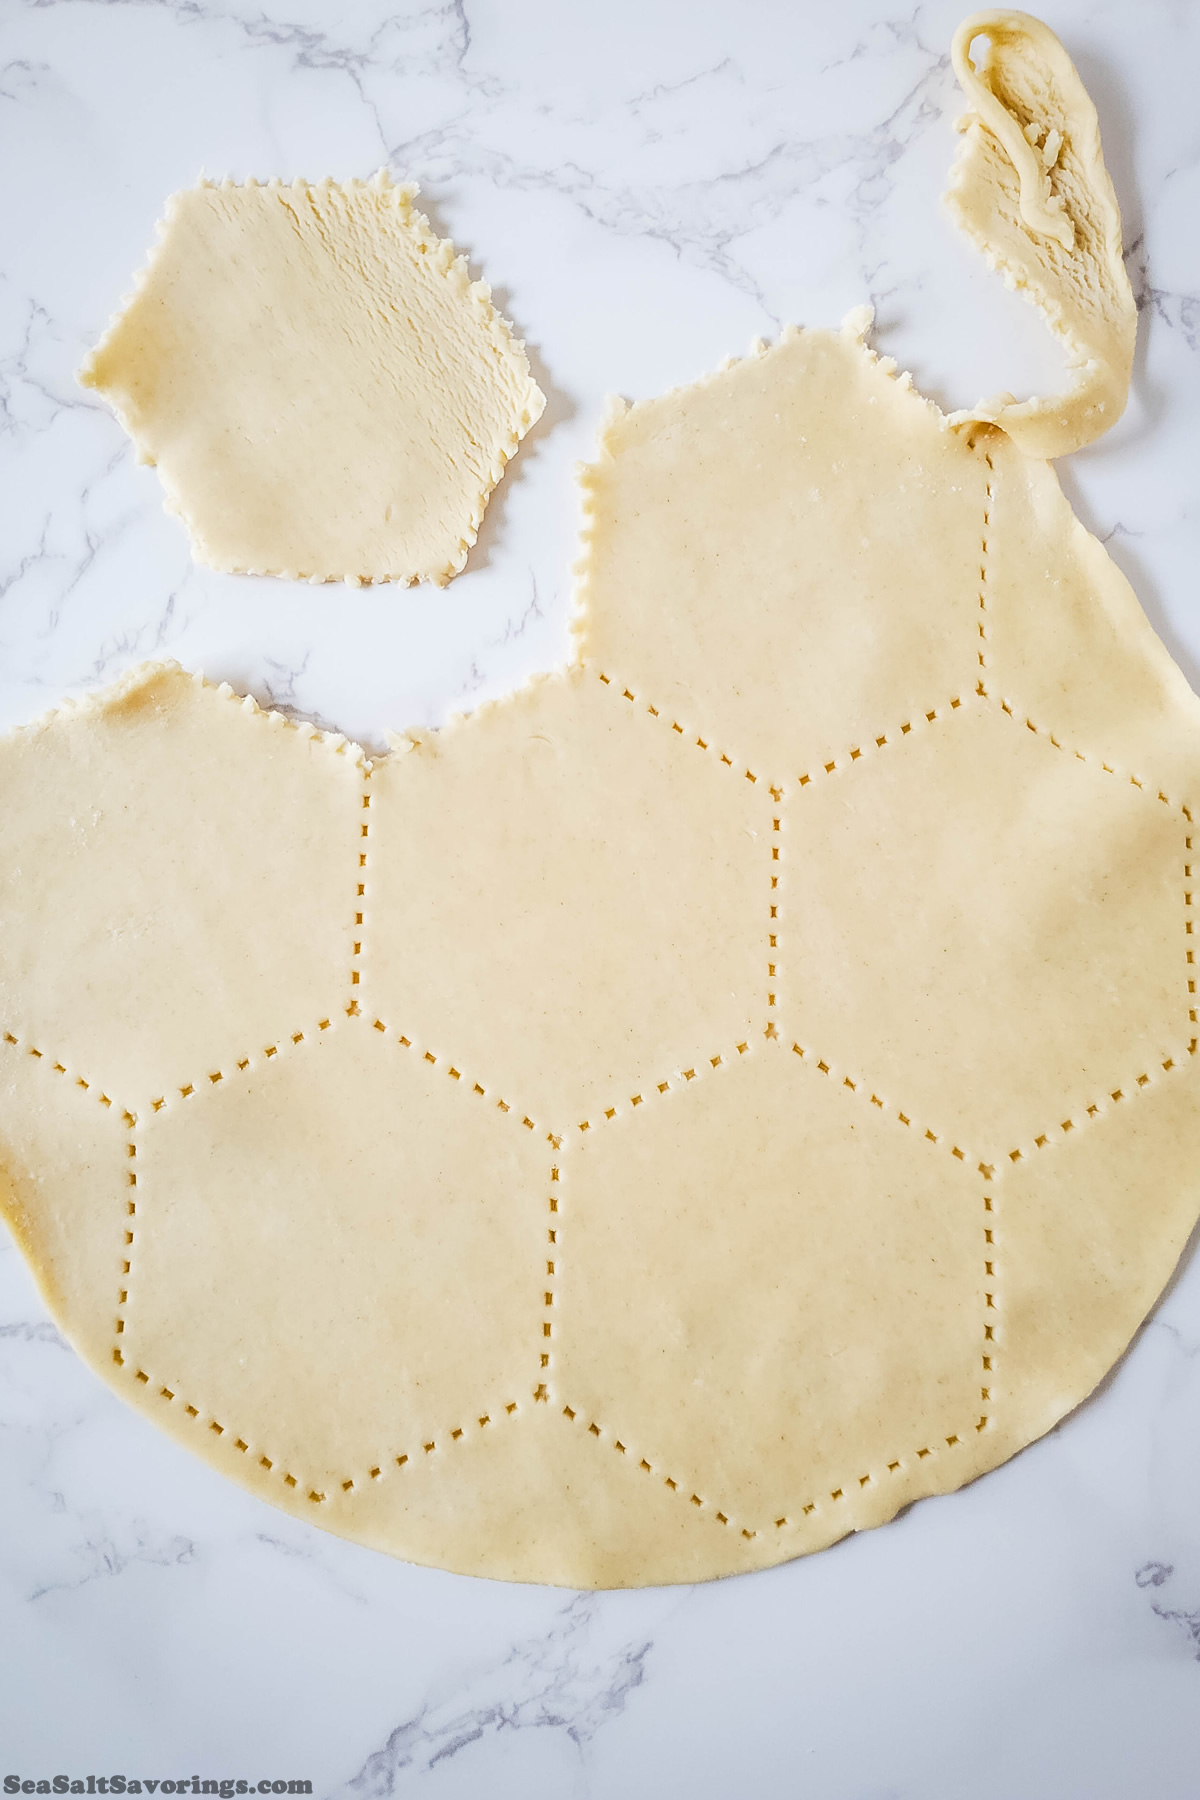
{"x":891,"y":974}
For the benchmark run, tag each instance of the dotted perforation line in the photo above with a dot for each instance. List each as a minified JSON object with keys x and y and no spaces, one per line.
{"x":272,"y":1466}
{"x":698,"y":741}
{"x":1189,"y":949}
{"x":129,"y":1119}
{"x":364,"y":836}
{"x":877,"y":742}
{"x":52,"y":1063}
{"x":574,"y":1416}
{"x":680,"y":1078}
{"x":838,"y":1496}
{"x":214,"y":1078}
{"x":776,"y":848}
{"x":860,"y":1484}
{"x":129,"y":1232}
{"x":990,"y":1312}
{"x":404,"y":1459}
{"x":454,"y":1073}
{"x":549,"y":1324}
{"x":983,"y":562}
{"x":1099,"y":1108}
{"x":860,"y":1088}
{"x":1014,"y":713}
{"x":988,"y":1170}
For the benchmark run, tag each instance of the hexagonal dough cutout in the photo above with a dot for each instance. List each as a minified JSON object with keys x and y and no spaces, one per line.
{"x":597,"y":876}
{"x":968,"y":870}
{"x":696,"y":1106}
{"x":673,"y":1354}
{"x":281,"y":1347}
{"x":325,"y":393}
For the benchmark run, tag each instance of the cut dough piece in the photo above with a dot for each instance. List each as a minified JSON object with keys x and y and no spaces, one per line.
{"x":323,"y":390}
{"x":1030,"y":189}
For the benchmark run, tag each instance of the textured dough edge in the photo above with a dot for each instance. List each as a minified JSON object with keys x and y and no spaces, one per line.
{"x":1045,"y":426}
{"x":97,"y":702}
{"x":454,"y":266}
{"x":854,"y":329}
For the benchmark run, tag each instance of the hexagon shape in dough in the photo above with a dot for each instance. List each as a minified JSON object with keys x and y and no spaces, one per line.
{"x":720,"y":1315}
{"x":987,"y":928}
{"x":323,"y":390}
{"x":569,"y":896}
{"x":231,"y":920}
{"x":416,"y":1303}
{"x":786,"y":552}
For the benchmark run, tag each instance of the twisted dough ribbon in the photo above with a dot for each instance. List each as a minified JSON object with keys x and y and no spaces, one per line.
{"x":1030,"y":189}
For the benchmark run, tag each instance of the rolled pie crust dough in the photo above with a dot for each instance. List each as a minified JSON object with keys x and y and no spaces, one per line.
{"x":324,"y":391}
{"x":678,"y":1115}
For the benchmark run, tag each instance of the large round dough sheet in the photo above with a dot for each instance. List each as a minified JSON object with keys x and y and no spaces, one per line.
{"x":676,"y":1116}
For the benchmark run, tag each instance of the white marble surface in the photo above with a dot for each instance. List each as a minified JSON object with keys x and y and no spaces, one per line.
{"x":647,"y":186}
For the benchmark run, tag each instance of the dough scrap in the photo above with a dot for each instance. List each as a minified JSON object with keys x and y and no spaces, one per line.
{"x":1030,"y":189}
{"x":325,"y":393}
{"x":685,"y":1111}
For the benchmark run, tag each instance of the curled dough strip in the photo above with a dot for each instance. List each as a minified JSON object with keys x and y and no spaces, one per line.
{"x":1030,"y":189}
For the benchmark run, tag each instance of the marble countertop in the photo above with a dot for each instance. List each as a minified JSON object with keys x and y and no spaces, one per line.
{"x":647,"y":187}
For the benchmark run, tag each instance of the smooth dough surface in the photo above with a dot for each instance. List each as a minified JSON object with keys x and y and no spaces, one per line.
{"x":325,"y":393}
{"x":684,"y":1112}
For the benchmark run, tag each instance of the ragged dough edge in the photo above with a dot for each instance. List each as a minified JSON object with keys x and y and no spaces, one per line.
{"x":454,"y":266}
{"x":855,"y":329}
{"x":98,"y":702}
{"x":430,"y":738}
{"x":1099,"y":361}
{"x":101,"y":701}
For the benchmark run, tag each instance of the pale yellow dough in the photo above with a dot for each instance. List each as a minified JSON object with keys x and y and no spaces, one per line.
{"x":324,"y":392}
{"x":680,"y":1114}
{"x":1030,"y":189}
